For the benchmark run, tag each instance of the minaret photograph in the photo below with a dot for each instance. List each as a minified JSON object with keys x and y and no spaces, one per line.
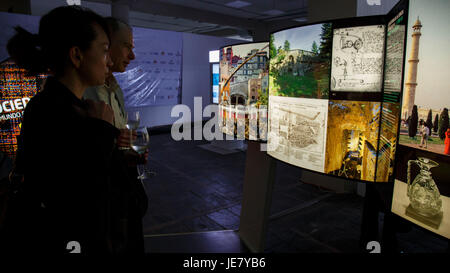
{"x":411,"y":77}
{"x":426,"y":83}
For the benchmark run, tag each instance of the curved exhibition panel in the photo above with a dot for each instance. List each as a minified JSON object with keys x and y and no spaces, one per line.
{"x":334,"y":95}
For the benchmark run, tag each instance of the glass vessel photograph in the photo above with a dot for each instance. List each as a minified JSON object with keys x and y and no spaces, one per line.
{"x":422,"y":192}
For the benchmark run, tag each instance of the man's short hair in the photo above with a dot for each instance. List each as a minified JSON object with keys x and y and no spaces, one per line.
{"x":115,"y":24}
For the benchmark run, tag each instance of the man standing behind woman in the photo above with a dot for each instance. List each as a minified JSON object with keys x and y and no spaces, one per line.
{"x":129,"y":193}
{"x":67,"y":146}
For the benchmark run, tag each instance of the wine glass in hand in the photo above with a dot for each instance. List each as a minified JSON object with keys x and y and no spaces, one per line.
{"x":140,"y":145}
{"x":133,"y":120}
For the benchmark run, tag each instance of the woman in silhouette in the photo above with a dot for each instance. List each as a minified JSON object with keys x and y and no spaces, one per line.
{"x":66,"y":144}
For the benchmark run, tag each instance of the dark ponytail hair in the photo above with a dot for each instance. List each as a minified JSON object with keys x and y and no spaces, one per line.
{"x":24,"y":49}
{"x":59,"y":30}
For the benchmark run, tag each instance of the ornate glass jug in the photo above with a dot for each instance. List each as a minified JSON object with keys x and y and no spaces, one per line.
{"x":423,"y":192}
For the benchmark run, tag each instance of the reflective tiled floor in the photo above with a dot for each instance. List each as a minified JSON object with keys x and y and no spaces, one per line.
{"x":197,"y":191}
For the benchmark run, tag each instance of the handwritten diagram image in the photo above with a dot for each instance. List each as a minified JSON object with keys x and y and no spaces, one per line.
{"x":297,"y":131}
{"x":357,"y":62}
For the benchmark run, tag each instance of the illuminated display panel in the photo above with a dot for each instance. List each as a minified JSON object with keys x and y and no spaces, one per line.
{"x":357,"y":63}
{"x":16,"y":89}
{"x":390,"y":115}
{"x":297,"y":132}
{"x":327,"y":108}
{"x":423,"y":152}
{"x":298,"y":95}
{"x":243,"y":95}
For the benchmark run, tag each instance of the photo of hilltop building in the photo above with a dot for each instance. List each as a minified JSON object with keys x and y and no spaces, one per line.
{"x":295,"y":62}
{"x":300,"y":62}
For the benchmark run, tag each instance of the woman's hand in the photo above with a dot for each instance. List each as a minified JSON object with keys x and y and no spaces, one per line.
{"x":126,"y":137}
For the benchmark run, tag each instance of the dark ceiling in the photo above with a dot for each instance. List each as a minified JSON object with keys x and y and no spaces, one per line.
{"x":225,"y":18}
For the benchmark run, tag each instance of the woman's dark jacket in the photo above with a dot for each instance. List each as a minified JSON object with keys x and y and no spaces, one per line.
{"x":66,"y":158}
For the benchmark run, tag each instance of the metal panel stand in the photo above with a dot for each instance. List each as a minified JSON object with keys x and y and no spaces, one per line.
{"x":257,"y":197}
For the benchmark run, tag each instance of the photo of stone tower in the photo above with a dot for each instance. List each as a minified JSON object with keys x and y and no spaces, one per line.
{"x":411,"y":77}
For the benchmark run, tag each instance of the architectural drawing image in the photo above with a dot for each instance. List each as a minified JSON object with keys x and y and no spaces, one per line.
{"x":297,"y":131}
{"x":357,"y":59}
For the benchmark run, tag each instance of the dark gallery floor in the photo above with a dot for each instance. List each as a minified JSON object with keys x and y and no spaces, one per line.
{"x":195,"y":204}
